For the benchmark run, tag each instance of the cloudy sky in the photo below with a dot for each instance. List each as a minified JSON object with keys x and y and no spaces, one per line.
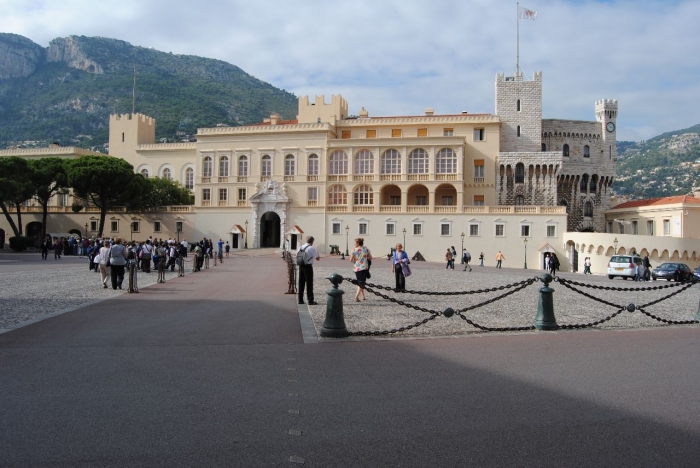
{"x":398,"y":57}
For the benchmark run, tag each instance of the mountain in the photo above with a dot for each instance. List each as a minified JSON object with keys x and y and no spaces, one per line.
{"x":668,"y":164}
{"x":67,"y":91}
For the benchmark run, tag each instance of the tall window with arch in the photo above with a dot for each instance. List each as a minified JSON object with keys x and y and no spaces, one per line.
{"x":584,"y":182}
{"x":313,"y":165}
{"x":520,"y":173}
{"x":243,"y":166}
{"x":223,"y":166}
{"x":338,"y":163}
{"x":167,"y":175}
{"x":144,"y":172}
{"x":189,"y":178}
{"x":517,"y":105}
{"x":565,"y":150}
{"x":266,"y":167}
{"x":363,"y":195}
{"x":391,"y":162}
{"x":446,"y":161}
{"x":207,"y":168}
{"x":418,"y":161}
{"x":289,"y":165}
{"x":337,"y":195}
{"x":544,"y":147}
{"x":364,"y":162}
{"x":588,"y":209}
{"x":593,"y":184}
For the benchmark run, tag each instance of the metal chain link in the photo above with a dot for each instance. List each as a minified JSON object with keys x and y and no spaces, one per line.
{"x":497,"y":329}
{"x":684,"y":288}
{"x":445,"y":293}
{"x":592,"y":324}
{"x":672,"y":322}
{"x":394,"y":330}
{"x":565,"y":281}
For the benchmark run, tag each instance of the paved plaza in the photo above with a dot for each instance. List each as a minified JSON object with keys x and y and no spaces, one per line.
{"x":221,"y":368}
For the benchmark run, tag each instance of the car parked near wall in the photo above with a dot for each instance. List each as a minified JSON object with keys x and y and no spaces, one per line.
{"x":672,"y":272}
{"x":624,"y":266}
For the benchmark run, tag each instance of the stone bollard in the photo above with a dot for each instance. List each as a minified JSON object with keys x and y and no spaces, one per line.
{"x":334,"y":325}
{"x":545,"y":319}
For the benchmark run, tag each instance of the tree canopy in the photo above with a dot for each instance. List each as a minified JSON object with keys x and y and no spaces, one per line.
{"x":15,"y":188}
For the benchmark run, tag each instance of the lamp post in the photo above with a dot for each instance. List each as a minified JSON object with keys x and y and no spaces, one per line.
{"x":246,"y":233}
{"x":615,"y":244}
{"x":525,"y":244}
{"x":284,"y":238}
{"x":86,"y":230}
{"x":131,"y":230}
{"x":461,"y":252}
{"x":178,"y":228}
{"x":347,"y":237}
{"x":404,"y":239}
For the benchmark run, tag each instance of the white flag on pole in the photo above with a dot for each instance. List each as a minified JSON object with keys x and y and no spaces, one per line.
{"x":524,"y":13}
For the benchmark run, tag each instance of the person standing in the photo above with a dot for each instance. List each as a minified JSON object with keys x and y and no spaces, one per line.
{"x":228,"y":248}
{"x":481,"y":259}
{"x":466,"y":258}
{"x":360,"y":258}
{"x":647,"y":268}
{"x":57,"y":246}
{"x":450,"y":259}
{"x":400,"y":257}
{"x":45,"y":246}
{"x":104,"y":269}
{"x":306,"y":271}
{"x":553,"y":264}
{"x":117,"y":258}
{"x":587,"y":266}
{"x":499,"y":259}
{"x":146,"y":253}
{"x":220,"y":253}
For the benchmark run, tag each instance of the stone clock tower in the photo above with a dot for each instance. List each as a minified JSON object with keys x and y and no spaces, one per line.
{"x":606,"y":114}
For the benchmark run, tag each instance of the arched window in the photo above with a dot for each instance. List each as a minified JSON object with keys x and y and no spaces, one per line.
{"x":223,"y":166}
{"x":364,"y":162}
{"x":189,"y":178}
{"x":167,"y":174}
{"x":584,"y":182}
{"x":289,"y":165}
{"x":519,"y":200}
{"x":206,"y":167}
{"x":313,"y":165}
{"x":144,"y":172}
{"x":363,"y":195}
{"x":337,"y":195}
{"x":588,"y":209}
{"x":266,"y":170}
{"x":391,"y":162}
{"x":243,"y":166}
{"x":586,"y":151}
{"x":418,"y":161}
{"x":565,"y":150}
{"x":594,"y":183}
{"x":520,"y":173}
{"x":544,"y":147}
{"x":446,"y":161}
{"x":338,"y":163}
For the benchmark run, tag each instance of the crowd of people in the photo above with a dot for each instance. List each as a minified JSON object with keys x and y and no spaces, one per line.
{"x":111,"y":257}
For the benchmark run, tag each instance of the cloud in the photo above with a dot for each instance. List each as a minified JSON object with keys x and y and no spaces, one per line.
{"x":396,"y":58}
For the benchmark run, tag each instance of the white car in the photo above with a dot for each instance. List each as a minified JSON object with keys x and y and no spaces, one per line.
{"x":624,"y":266}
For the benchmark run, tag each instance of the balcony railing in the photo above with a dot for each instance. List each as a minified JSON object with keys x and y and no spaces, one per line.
{"x":363,"y":178}
{"x":206,"y":202}
{"x":337,"y":209}
{"x":223,"y":202}
{"x":418,"y":176}
{"x":242,"y":178}
{"x":289,"y":178}
{"x":312,"y":203}
{"x":417,"y":208}
{"x":445,"y":209}
{"x":337,"y":178}
{"x":206,"y":180}
{"x":478,"y":180}
{"x":242,"y":202}
{"x":312,"y":178}
{"x":396,"y":177}
{"x":390,"y":208}
{"x":445,"y":176}
{"x":223,"y":180}
{"x":363,"y":209}
{"x":265,"y":178}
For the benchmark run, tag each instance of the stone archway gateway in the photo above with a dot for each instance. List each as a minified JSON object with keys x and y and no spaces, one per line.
{"x":270,"y":213}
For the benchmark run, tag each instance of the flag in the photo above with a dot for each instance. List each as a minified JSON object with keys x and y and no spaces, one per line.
{"x":524,"y":13}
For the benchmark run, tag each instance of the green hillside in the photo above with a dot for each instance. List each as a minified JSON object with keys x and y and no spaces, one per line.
{"x":59,"y":102}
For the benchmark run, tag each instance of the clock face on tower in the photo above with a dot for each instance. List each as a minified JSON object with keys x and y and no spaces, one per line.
{"x":610,"y":127}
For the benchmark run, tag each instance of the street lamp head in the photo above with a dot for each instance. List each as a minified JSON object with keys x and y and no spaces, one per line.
{"x":347,"y":228}
{"x":462,"y":236}
{"x":404,"y":231}
{"x":525,"y":240}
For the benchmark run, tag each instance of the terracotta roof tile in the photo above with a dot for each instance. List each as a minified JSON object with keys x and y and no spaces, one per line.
{"x":658,"y":201}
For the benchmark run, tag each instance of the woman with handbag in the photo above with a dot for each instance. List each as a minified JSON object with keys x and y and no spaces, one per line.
{"x":360,"y":258}
{"x":400,"y":262}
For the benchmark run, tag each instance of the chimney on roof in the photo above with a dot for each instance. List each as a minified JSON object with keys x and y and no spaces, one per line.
{"x":364,"y":114}
{"x":429,"y":111}
{"x":274,"y":118}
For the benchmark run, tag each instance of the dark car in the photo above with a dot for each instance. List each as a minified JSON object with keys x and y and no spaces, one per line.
{"x":672,"y":272}
{"x":696,"y":273}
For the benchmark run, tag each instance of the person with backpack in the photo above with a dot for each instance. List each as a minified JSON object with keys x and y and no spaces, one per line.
{"x":305,"y":259}
{"x":466,"y":258}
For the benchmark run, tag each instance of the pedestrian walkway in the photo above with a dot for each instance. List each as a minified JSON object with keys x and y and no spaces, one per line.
{"x":211,"y":370}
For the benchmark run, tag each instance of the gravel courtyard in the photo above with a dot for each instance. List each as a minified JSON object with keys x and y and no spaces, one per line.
{"x":516,"y":310}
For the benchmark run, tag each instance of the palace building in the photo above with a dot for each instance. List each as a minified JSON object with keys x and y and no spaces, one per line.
{"x":487,"y":182}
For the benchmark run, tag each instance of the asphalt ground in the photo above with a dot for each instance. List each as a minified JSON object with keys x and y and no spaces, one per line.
{"x":212,"y":370}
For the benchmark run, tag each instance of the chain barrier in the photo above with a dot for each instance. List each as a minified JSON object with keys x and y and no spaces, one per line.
{"x":621,"y":308}
{"x":512,"y":289}
{"x":370,"y":287}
